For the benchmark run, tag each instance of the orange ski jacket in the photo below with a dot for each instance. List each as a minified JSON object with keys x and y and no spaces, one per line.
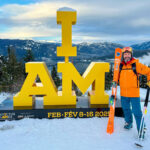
{"x":129,"y":83}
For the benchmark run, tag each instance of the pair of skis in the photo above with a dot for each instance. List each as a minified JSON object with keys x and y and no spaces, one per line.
{"x":110,"y":125}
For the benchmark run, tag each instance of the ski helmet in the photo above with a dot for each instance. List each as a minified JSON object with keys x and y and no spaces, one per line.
{"x":127,"y":49}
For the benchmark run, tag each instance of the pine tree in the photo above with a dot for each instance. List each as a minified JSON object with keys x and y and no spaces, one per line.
{"x":12,"y":71}
{"x":109,"y":78}
{"x":55,"y":77}
{"x":11,"y":65}
{"x":29,"y":56}
{"x":2,"y":64}
{"x":143,"y":81}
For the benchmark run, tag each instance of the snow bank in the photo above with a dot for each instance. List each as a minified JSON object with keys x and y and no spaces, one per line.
{"x":3,"y":96}
{"x":68,"y":134}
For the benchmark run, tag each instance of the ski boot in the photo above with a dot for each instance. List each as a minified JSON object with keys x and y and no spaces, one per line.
{"x":128,"y":126}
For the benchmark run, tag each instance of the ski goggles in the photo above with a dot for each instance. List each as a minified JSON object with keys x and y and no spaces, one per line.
{"x":129,"y":49}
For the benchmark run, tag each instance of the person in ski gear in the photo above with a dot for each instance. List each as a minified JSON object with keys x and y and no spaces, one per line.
{"x":129,"y":87}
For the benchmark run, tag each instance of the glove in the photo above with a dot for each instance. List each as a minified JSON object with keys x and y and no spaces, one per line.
{"x":148,"y":83}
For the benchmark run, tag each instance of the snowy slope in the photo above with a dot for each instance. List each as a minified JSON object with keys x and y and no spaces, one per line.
{"x":69,"y":134}
{"x":3,"y":96}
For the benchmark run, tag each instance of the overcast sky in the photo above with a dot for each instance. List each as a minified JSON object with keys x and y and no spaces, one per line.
{"x":121,"y":21}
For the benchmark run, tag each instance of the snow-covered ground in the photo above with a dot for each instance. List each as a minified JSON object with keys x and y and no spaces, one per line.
{"x":3,"y":96}
{"x":69,"y":134}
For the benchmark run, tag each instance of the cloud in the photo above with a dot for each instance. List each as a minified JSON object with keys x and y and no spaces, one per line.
{"x":145,"y":59}
{"x":141,"y":22}
{"x":96,"y":19}
{"x":26,"y":32}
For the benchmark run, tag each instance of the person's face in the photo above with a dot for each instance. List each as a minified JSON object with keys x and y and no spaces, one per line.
{"x":127,"y":56}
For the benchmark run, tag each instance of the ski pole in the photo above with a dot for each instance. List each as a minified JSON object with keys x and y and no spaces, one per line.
{"x":141,"y":130}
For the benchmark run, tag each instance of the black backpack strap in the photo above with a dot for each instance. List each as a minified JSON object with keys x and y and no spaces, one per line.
{"x":120,"y":67}
{"x":134,"y":70}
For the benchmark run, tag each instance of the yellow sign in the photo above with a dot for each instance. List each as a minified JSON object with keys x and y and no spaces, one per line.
{"x":94,"y":75}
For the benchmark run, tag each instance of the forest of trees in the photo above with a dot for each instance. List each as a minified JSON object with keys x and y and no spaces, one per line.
{"x":12,"y":73}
